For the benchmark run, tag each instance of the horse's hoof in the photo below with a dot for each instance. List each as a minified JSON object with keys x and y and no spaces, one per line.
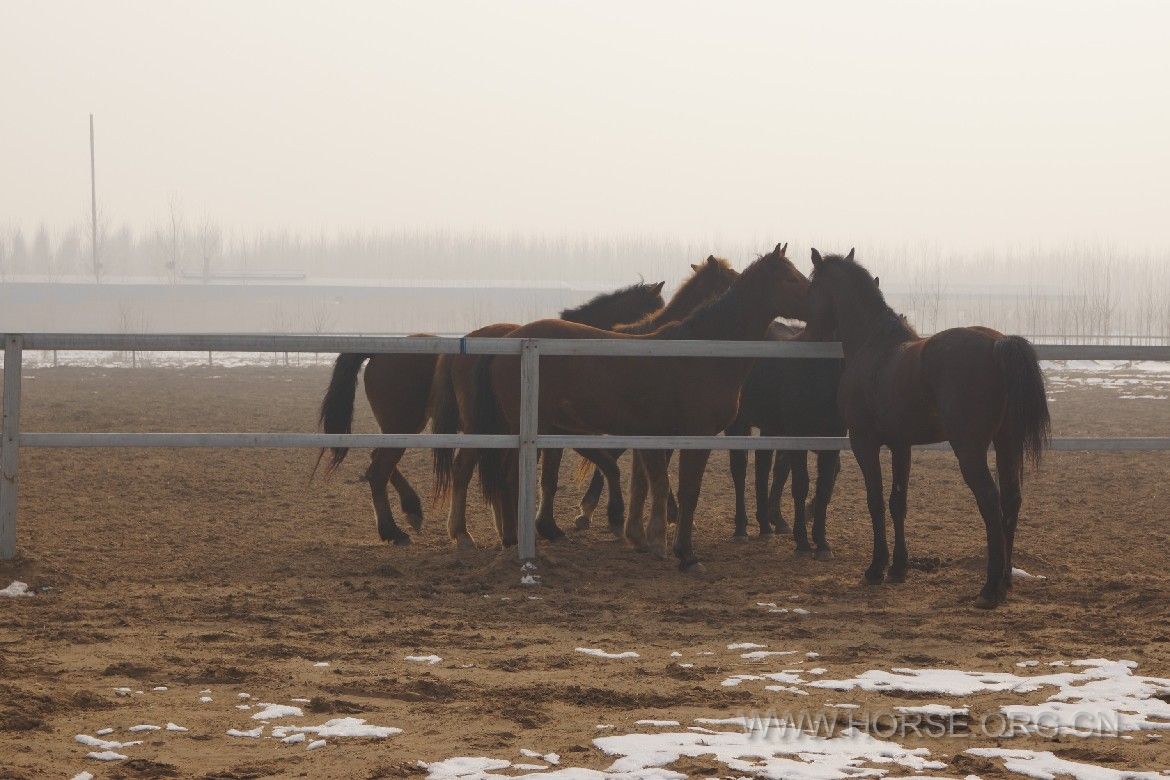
{"x":401,"y":540}
{"x":618,"y":530}
{"x":550,"y":532}
{"x":871,"y":578}
{"x":465,"y":543}
{"x":803,"y":552}
{"x":782,"y":527}
{"x":824,"y":554}
{"x":658,"y":551}
{"x":581,"y":523}
{"x":692,"y":567}
{"x":896,"y":576}
{"x":416,"y":521}
{"x":986,"y":602}
{"x":739,"y":536}
{"x":767,"y":534}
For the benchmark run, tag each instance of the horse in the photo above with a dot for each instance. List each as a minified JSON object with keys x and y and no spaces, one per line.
{"x":398,"y":387}
{"x":452,"y":390}
{"x":708,"y":281}
{"x":788,"y":397}
{"x":454,"y":399}
{"x":640,"y":395}
{"x":971,"y":387}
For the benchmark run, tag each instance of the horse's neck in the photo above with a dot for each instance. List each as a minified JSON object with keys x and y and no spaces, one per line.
{"x":865,"y":327}
{"x":726,"y":321}
{"x":681,"y":305}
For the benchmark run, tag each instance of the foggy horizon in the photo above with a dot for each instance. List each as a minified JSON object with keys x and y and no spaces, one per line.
{"x":951,"y":124}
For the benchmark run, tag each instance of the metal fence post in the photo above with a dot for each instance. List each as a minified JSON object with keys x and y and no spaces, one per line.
{"x":10,"y":446}
{"x":529,"y":404}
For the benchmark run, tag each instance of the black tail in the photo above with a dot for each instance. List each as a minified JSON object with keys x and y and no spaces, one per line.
{"x":1027,"y":401}
{"x":337,"y":406}
{"x":495,"y":466}
{"x":444,"y":419}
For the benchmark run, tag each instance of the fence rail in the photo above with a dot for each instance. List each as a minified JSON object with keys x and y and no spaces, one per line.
{"x":529,"y":441}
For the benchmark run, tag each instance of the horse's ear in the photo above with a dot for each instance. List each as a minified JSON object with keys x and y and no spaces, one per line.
{"x":850,"y":255}
{"x":816,"y":258}
{"x":658,"y":287}
{"x":782,"y":248}
{"x":712,"y":260}
{"x":877,"y":282}
{"x":695,"y":267}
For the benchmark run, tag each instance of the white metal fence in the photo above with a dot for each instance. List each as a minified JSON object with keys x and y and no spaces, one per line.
{"x":528,"y":441}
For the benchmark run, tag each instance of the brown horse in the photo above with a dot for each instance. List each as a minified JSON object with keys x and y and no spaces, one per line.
{"x":709,"y":280}
{"x":454,"y":401}
{"x":648,"y":396}
{"x":398,"y":387}
{"x":453,"y":388}
{"x":972,"y":387}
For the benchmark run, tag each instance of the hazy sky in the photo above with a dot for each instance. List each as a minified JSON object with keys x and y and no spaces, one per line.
{"x":963,"y":122}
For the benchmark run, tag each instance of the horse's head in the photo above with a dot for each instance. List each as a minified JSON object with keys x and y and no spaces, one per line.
{"x":781,"y":282}
{"x":628,"y":304}
{"x":832,"y":276}
{"x":711,"y":278}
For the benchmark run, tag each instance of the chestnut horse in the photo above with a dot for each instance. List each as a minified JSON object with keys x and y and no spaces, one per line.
{"x":789,"y":397}
{"x":972,"y":387}
{"x":453,"y":401}
{"x":640,"y":395}
{"x":398,"y":387}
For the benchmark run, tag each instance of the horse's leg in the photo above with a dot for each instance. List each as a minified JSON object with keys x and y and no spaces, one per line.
{"x":589,"y":499}
{"x":899,"y":485}
{"x":550,"y":472}
{"x":1008,"y":465}
{"x":671,"y":502}
{"x":461,"y":471}
{"x":691,"y":464}
{"x":654,"y":463}
{"x":383,"y":463}
{"x":763,"y":474}
{"x":780,"y":470}
{"x":973,"y":465}
{"x":867,"y":451}
{"x":798,"y":462}
{"x":615,"y":507}
{"x":635,"y":531}
{"x":828,"y":467}
{"x":737,"y":464}
{"x":408,"y":498}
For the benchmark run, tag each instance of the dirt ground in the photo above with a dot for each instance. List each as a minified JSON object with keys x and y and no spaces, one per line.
{"x":225,"y":572}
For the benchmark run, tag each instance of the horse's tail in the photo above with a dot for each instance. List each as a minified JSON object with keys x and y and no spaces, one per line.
{"x":486,"y":418}
{"x":337,"y":406}
{"x":444,"y":419}
{"x":1027,"y":401}
{"x":584,"y":470}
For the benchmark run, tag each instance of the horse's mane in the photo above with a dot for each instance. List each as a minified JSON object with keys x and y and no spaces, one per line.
{"x":685,"y":300}
{"x":717,"y":309}
{"x":865,"y":291}
{"x":582,"y":313}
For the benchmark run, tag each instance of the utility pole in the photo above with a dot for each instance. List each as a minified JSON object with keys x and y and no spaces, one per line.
{"x":93,"y":204}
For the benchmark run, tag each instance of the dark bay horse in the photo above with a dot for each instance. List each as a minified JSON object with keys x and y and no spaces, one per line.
{"x":972,"y":387}
{"x":453,"y":391}
{"x":398,"y":388}
{"x":643,"y":395}
{"x":453,"y":400}
{"x":788,"y":397}
{"x":708,"y":280}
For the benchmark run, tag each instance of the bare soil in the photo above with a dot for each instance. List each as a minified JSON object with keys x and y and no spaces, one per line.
{"x":226,"y":571}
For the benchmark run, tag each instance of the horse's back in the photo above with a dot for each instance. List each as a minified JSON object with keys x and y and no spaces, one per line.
{"x":398,"y":387}
{"x":959,"y":367}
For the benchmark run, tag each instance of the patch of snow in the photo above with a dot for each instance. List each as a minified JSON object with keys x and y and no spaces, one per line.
{"x":293,"y":739}
{"x":811,"y":655}
{"x":176,"y":727}
{"x":603,"y":726}
{"x":144,"y":727}
{"x":271,"y":711}
{"x":686,"y":666}
{"x":103,"y":744}
{"x":315,"y":744}
{"x":122,"y":691}
{"x":675,"y":654}
{"x":103,"y":732}
{"x":158,"y":688}
{"x":1045,"y":765}
{"x":759,"y":655}
{"x":1027,"y":664}
{"x":800,"y":611}
{"x":744,"y":646}
{"x":1023,"y":575}
{"x":662,"y":723}
{"x":321,"y":664}
{"x":599,"y":653}
{"x":250,"y":733}
{"x":530,"y":580}
{"x":82,"y":776}
{"x":205,"y":699}
{"x":430,"y":660}
{"x":339,"y":727}
{"x":932,"y":709}
{"x":16,"y":590}
{"x":106,"y":755}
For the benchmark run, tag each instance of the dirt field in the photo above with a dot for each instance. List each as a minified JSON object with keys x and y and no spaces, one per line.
{"x":222,"y":573}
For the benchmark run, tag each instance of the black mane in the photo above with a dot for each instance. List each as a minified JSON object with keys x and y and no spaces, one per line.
{"x":865,"y":291}
{"x":582,"y":313}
